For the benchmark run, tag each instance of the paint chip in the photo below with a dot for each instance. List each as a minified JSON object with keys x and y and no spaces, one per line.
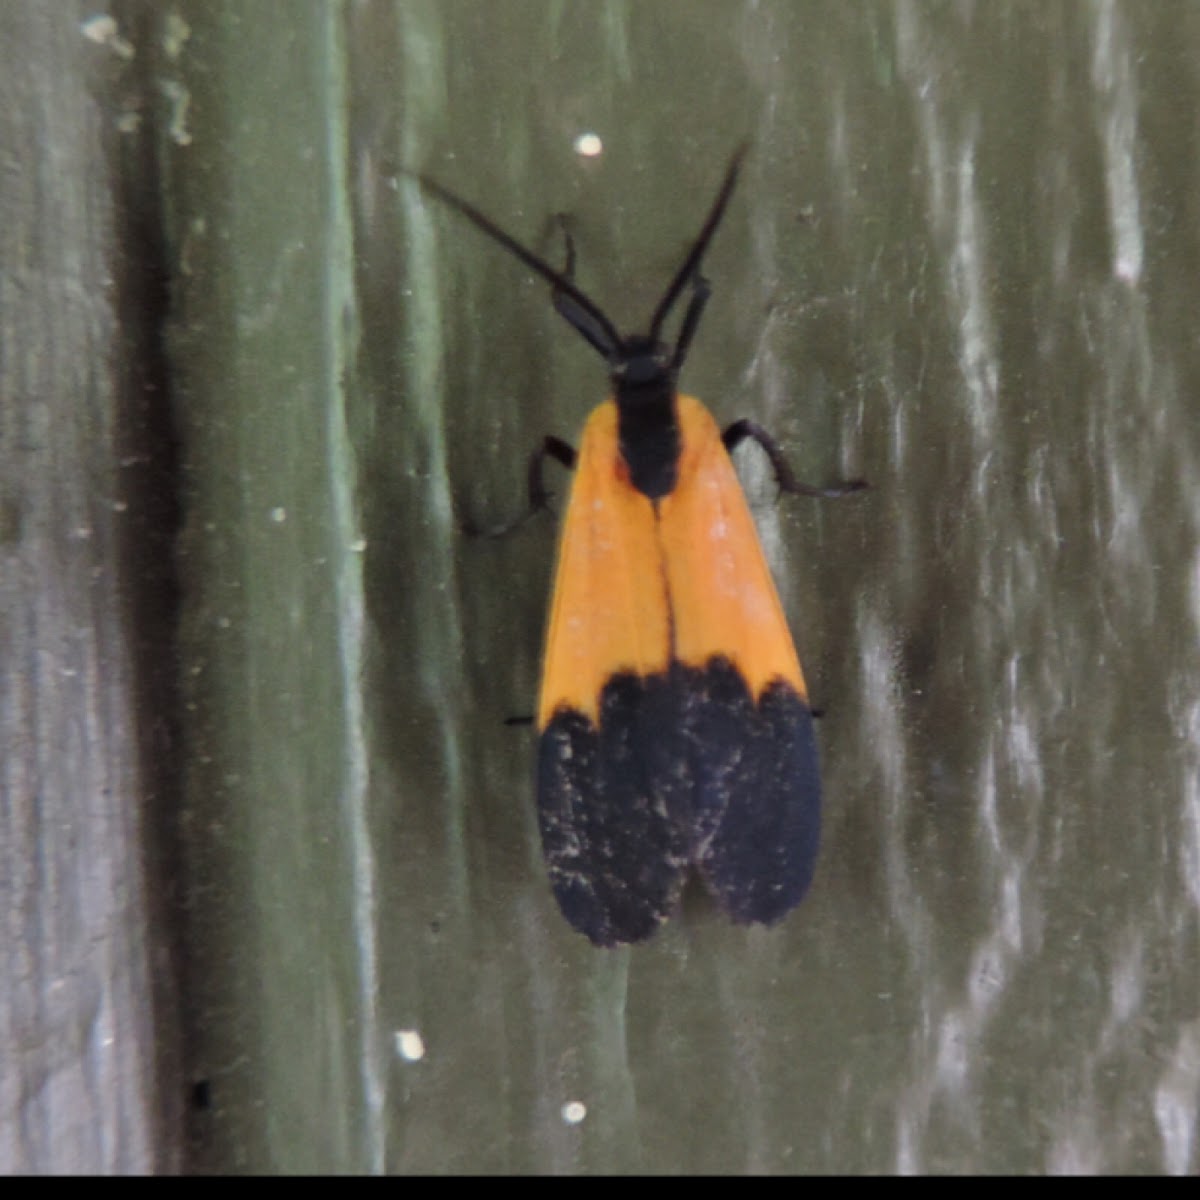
{"x":589,"y":145}
{"x":104,"y":31}
{"x":409,"y":1045}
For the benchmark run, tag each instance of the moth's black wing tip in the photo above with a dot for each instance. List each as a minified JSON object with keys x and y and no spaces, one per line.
{"x":760,"y":814}
{"x":681,"y":769}
{"x":615,"y":848}
{"x":605,"y":924}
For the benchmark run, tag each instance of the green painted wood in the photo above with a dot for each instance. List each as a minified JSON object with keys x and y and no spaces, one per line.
{"x":961,"y":263}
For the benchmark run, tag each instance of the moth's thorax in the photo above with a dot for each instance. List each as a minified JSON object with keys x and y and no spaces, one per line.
{"x":644,"y":388}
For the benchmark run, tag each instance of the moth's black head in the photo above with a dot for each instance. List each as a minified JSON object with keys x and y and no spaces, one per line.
{"x":642,"y":362}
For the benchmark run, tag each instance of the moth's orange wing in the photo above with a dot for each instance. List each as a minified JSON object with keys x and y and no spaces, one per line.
{"x":609,"y":613}
{"x":722,"y":597}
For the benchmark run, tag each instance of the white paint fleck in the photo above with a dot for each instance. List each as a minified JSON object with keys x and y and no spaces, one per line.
{"x":589,"y":145}
{"x":104,"y":31}
{"x":180,"y":100}
{"x":410,"y":1046}
{"x":176,"y":35}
